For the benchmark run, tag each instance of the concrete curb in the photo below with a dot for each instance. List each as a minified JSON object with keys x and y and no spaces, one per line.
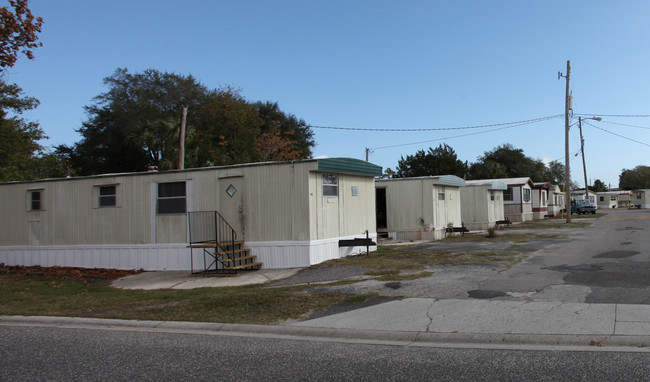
{"x":402,"y":338}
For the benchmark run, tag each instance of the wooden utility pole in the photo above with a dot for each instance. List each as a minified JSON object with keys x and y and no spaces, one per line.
{"x":567,"y":170}
{"x":584,"y":166}
{"x":181,"y":140}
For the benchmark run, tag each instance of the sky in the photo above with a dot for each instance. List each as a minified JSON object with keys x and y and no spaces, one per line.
{"x":431,"y":66}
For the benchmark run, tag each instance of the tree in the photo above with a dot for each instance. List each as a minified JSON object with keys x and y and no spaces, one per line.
{"x":290,"y":127}
{"x":135,"y":123}
{"x":637,"y":178}
{"x":18,"y":32}
{"x":513,"y":164}
{"x":19,"y":147}
{"x":599,"y":186}
{"x":439,"y":161}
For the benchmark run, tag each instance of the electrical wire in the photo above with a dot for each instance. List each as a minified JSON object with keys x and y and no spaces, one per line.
{"x":618,"y":135}
{"x":613,"y":115}
{"x":455,"y":136}
{"x":625,"y":124}
{"x":517,"y":123}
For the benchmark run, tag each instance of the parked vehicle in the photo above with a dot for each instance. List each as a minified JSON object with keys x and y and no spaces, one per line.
{"x":582,"y":206}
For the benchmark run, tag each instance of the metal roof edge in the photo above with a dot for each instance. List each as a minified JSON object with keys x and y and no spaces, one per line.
{"x":348,"y":166}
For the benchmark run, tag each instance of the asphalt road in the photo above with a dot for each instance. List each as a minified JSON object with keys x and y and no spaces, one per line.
{"x":607,"y":262}
{"x":61,"y":354}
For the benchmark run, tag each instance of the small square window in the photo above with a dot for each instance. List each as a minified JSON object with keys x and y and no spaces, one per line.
{"x":107,"y":196}
{"x":355,"y":191}
{"x":491,"y":195}
{"x":441,"y":192}
{"x":171,"y":198}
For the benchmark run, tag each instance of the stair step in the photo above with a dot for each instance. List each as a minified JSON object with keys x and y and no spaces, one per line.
{"x":214,"y":245}
{"x":239,"y":258}
{"x":245,"y":266}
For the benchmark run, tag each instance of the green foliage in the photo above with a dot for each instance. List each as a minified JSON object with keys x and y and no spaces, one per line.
{"x":599,"y":186}
{"x":637,"y":178}
{"x":136,"y":124}
{"x":506,"y":161}
{"x":20,"y":150}
{"x":439,"y":161}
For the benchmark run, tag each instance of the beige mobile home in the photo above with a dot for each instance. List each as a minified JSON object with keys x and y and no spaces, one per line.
{"x":517,"y":199}
{"x":610,"y":199}
{"x":288,"y":214}
{"x":640,"y":198}
{"x":481,"y":203}
{"x":418,"y":208}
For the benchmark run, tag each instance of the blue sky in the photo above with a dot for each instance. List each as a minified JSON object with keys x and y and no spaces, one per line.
{"x":372,"y":65}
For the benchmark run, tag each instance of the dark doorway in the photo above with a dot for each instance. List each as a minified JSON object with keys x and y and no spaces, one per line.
{"x":380,"y":207}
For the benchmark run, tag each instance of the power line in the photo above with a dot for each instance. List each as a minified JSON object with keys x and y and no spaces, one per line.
{"x":614,"y":115}
{"x":625,"y":124}
{"x":456,"y":136}
{"x":517,"y":123}
{"x":618,"y":135}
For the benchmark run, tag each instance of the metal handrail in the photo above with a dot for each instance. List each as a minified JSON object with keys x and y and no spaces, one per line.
{"x":206,"y":227}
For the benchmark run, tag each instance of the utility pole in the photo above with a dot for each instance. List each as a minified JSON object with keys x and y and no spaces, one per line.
{"x":367,"y":153}
{"x":584,"y":166}
{"x":181,"y":140}
{"x":567,"y":170}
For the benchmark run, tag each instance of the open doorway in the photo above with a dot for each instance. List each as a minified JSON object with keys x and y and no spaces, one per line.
{"x":380,"y":207}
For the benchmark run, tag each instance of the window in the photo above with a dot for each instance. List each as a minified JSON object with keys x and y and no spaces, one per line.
{"x":491,"y":195}
{"x":602,"y":198}
{"x":526,"y":194}
{"x":638,"y":195}
{"x":171,"y":198}
{"x":612,"y":197}
{"x":441,"y":192}
{"x":330,"y":185}
{"x":107,"y":196}
{"x":355,"y":191}
{"x":35,"y":199}
{"x":507,"y":194}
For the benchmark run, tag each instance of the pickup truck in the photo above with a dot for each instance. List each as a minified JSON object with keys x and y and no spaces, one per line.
{"x":582,"y":206}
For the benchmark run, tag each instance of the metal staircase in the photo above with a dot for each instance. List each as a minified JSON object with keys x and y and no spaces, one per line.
{"x":214,"y":248}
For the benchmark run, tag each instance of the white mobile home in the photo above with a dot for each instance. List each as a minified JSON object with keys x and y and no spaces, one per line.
{"x":482,"y":203}
{"x":517,"y":199}
{"x":418,"y":208}
{"x":289,"y":214}
{"x":555,"y":200}
{"x":540,"y":200}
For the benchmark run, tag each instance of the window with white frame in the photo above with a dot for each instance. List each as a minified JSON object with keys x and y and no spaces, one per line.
{"x":107,"y":196}
{"x":491,"y":195}
{"x":171,"y":198}
{"x":330,"y":185}
{"x":526,"y":194}
{"x":441,"y":192}
{"x":612,"y":198}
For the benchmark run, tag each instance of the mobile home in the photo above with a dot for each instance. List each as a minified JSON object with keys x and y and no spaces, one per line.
{"x":288,"y":214}
{"x":482,"y":203}
{"x":418,"y":208}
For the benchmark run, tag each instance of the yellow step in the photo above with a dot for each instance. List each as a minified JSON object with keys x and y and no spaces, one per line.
{"x":239,"y":258}
{"x":245,"y":266}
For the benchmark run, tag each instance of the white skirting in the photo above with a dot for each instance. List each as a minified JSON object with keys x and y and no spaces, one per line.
{"x":160,"y":257}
